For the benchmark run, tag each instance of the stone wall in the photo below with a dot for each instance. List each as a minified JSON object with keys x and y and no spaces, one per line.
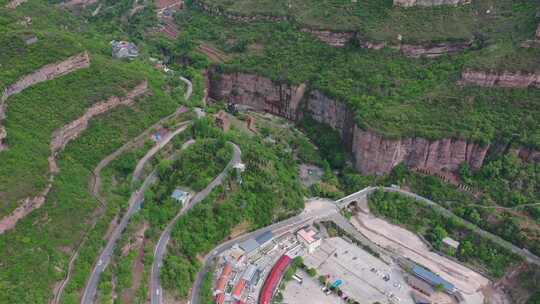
{"x":500,"y":79}
{"x":409,"y":3}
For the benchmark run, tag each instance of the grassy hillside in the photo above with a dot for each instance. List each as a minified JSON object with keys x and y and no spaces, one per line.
{"x":379,"y":20}
{"x":35,"y":255}
{"x":391,"y":94}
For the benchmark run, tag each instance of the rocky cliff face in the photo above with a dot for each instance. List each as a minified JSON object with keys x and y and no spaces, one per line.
{"x":45,"y":73}
{"x":255,"y":92}
{"x":500,"y":79}
{"x":217,"y":11}
{"x":60,"y":139}
{"x":372,"y":152}
{"x":335,"y":39}
{"x":527,"y":155}
{"x":14,"y":3}
{"x":434,"y":50}
{"x":375,"y":154}
{"x":69,"y":132}
{"x":333,"y":113}
{"x":409,"y":3}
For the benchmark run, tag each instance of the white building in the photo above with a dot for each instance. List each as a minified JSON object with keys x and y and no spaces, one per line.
{"x":310,"y":238}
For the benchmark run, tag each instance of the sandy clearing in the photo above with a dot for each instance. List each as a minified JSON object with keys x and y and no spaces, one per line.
{"x":409,"y":245}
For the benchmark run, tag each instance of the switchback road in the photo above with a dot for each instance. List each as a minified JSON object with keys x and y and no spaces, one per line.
{"x":156,"y":296}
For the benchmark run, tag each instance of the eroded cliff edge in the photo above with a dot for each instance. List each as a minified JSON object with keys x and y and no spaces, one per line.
{"x":372,"y":152}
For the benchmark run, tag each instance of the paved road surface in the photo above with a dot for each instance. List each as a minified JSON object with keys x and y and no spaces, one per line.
{"x":524,"y":253}
{"x":156,"y":296}
{"x":306,"y":217}
{"x":135,"y":202}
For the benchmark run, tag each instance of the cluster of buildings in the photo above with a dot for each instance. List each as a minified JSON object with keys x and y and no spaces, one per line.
{"x":124,"y":50}
{"x":250,"y":271}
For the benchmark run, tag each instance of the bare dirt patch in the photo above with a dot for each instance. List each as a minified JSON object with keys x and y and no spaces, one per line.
{"x":407,"y":244}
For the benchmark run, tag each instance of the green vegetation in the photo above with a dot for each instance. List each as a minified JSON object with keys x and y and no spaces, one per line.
{"x":428,"y":222}
{"x":269,"y":191}
{"x":379,"y":20}
{"x":505,"y":182}
{"x":391,"y":94}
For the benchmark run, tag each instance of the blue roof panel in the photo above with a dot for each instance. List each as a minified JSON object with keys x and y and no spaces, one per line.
{"x":432,"y":278}
{"x":265,"y":237}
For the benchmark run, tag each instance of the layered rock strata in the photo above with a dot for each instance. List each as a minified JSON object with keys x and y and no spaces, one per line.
{"x":409,"y":3}
{"x":500,"y":79}
{"x":60,"y":139}
{"x":372,"y":152}
{"x":332,"y":38}
{"x":15,"y":3}
{"x":218,"y":11}
{"x":48,"y":72}
{"x":434,"y":50}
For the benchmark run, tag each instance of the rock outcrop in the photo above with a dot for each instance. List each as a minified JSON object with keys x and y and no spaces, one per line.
{"x":375,"y":154}
{"x":69,"y":132}
{"x":255,"y":92}
{"x":527,"y":155}
{"x":333,"y":113}
{"x":335,"y":39}
{"x":218,"y":11}
{"x":500,"y":79}
{"x":60,"y":139}
{"x":538,"y":33}
{"x":409,"y":3}
{"x":81,"y":3}
{"x":372,"y":152}
{"x":13,"y":4}
{"x":45,"y":73}
{"x":434,"y":50}
{"x":25,"y":207}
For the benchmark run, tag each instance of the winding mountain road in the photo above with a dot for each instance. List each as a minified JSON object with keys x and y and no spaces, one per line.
{"x":135,"y":202}
{"x":156,"y":296}
{"x":312,"y":213}
{"x":95,"y":186}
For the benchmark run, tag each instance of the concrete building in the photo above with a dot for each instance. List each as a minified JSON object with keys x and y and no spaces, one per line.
{"x":420,"y":286}
{"x":433,"y":279}
{"x":450,"y":243}
{"x":310,"y":238}
{"x":180,"y":196}
{"x":124,"y":49}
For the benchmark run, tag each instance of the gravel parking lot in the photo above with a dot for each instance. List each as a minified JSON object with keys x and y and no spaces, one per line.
{"x":308,"y":292}
{"x":364,"y":276}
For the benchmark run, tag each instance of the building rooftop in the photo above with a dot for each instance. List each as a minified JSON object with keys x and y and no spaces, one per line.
{"x":433,"y":279}
{"x":249,"y":245}
{"x":309,"y":235}
{"x":451,"y":242}
{"x":265,"y":237}
{"x":180,"y":195}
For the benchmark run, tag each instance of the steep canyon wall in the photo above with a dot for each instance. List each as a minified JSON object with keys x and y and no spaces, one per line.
{"x":372,"y":152}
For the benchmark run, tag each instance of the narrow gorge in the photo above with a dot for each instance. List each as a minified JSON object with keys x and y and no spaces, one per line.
{"x":372,"y":152}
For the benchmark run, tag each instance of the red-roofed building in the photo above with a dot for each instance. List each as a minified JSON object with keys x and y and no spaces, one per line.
{"x":220,"y":298}
{"x":238,"y":289}
{"x":273,"y":279}
{"x":223,"y":278}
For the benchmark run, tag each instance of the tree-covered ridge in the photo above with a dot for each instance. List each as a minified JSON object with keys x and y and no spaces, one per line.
{"x":379,"y":20}
{"x":421,"y":218}
{"x":269,"y":190}
{"x":391,"y":94}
